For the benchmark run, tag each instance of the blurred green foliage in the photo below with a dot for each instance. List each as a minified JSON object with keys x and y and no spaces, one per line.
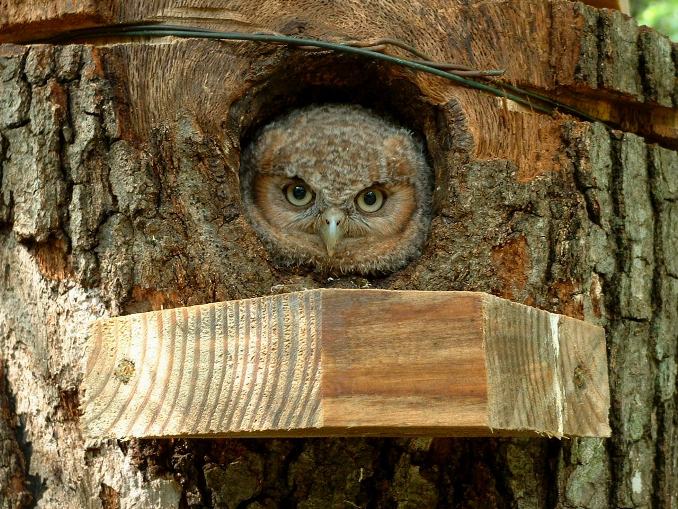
{"x":662,"y":15}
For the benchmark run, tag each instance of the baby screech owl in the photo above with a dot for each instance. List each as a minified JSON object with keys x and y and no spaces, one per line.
{"x":338,"y":187}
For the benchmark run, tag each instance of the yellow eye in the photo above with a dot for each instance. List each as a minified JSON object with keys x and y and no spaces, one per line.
{"x":298,"y":193}
{"x":370,"y":199}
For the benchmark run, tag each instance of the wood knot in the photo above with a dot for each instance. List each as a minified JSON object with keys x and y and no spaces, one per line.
{"x":125,"y":371}
{"x":580,"y":375}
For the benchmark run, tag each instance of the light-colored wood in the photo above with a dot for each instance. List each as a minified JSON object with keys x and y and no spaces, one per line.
{"x":343,"y":362}
{"x":246,"y":365}
{"x":545,"y":371}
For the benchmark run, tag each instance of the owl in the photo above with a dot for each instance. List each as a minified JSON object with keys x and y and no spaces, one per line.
{"x":339,"y":188}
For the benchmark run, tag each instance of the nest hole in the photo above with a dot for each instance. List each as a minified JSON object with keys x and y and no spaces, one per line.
{"x":300,"y":79}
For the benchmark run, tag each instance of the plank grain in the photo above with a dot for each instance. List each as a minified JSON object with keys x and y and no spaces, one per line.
{"x":344,"y":362}
{"x":198,"y":370}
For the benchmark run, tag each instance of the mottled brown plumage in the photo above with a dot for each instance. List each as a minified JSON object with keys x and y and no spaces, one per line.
{"x":338,"y":187}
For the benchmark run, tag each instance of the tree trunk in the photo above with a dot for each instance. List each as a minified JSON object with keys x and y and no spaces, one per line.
{"x":120,"y":193}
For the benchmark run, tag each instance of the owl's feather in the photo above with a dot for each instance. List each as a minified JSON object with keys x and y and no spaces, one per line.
{"x":338,"y":151}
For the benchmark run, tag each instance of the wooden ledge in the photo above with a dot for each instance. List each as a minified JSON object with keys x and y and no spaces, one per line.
{"x":346,"y":362}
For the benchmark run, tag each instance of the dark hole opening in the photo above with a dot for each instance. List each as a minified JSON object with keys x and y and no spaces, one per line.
{"x":301,"y":78}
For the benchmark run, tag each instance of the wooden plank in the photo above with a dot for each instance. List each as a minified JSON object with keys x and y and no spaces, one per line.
{"x":343,"y":362}
{"x":429,"y":374}
{"x":233,"y":366}
{"x":545,"y":371}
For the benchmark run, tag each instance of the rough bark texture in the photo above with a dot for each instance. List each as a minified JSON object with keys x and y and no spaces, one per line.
{"x":13,"y":473}
{"x":118,"y":196}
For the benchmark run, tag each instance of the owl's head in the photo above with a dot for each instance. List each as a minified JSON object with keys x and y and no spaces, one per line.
{"x":338,"y":187}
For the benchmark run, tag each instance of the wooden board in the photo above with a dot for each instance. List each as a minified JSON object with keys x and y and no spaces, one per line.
{"x":343,"y":362}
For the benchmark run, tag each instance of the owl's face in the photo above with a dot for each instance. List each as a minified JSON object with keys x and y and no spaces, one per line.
{"x":338,"y":187}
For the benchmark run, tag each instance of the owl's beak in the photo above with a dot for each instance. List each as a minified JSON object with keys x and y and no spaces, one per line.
{"x":331,"y":229}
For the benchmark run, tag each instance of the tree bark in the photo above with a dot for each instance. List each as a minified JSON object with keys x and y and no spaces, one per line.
{"x":119,"y":165}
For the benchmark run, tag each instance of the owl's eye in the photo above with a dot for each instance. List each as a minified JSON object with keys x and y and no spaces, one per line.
{"x":298,"y":194}
{"x":370,"y":199}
